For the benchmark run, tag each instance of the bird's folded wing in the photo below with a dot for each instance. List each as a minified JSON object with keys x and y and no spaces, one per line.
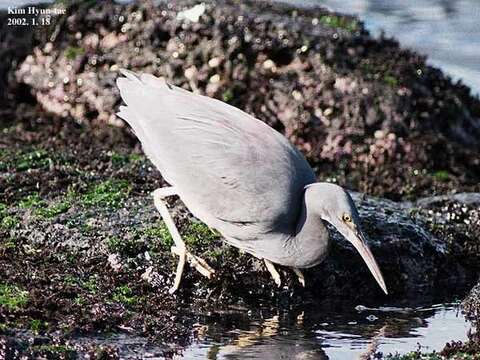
{"x":235,"y":167}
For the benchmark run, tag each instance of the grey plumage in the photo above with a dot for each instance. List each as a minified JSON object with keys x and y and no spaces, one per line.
{"x":233,"y":172}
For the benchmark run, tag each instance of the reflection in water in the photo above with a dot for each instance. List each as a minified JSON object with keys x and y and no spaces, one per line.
{"x":314,"y":335}
{"x":448,"y":31}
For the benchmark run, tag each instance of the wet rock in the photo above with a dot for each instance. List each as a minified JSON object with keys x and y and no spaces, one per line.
{"x":456,"y":220}
{"x":428,"y":248}
{"x":471,"y":347}
{"x":471,"y":307}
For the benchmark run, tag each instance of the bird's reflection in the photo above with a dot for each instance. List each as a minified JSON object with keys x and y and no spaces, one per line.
{"x":313,"y":334}
{"x":272,"y":338}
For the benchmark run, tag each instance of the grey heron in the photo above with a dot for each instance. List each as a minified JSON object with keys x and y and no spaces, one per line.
{"x":239,"y":176}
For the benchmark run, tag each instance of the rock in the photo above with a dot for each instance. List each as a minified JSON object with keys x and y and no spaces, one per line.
{"x":426,"y":250}
{"x":471,"y":307}
{"x":365,"y":111}
{"x":419,"y":266}
{"x":455,"y":219}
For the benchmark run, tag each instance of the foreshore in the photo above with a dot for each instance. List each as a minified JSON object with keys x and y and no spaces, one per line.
{"x":82,"y":247}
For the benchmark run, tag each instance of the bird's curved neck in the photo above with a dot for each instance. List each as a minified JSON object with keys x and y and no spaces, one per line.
{"x":304,"y":246}
{"x":311,"y":239}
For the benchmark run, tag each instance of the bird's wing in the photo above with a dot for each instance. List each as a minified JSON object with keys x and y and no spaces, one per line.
{"x":223,"y":161}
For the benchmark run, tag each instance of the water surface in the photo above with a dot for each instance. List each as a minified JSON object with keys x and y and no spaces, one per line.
{"x":319,"y":334}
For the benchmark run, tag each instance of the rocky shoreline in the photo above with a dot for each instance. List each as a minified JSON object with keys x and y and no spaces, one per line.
{"x":82,"y":248}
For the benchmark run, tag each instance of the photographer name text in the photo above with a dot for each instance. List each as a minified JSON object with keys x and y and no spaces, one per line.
{"x":33,"y":10}
{"x":32,"y":15}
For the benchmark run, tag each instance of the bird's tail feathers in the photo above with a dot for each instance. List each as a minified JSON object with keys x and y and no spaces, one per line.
{"x":146,"y":102}
{"x":135,"y":123}
{"x":129,"y":74}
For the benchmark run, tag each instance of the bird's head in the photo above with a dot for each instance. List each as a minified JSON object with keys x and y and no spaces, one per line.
{"x":334,"y":205}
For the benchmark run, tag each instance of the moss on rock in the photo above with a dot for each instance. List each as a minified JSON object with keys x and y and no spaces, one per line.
{"x":12,"y":297}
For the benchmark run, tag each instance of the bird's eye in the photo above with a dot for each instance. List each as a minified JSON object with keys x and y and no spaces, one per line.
{"x":346,"y":218}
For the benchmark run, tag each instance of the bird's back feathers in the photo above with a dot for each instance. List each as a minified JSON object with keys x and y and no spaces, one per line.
{"x":230,"y":169}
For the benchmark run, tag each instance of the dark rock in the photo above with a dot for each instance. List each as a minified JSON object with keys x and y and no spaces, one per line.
{"x":16,"y":42}
{"x":471,"y":347}
{"x":456,"y":220}
{"x":471,"y":307}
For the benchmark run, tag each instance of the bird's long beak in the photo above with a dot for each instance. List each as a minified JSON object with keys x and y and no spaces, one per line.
{"x":358,"y":241}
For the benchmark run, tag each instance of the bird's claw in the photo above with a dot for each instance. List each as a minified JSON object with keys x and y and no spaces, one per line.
{"x":198,"y":263}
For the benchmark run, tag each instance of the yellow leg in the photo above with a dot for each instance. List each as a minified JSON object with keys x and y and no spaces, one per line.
{"x":273,"y":272}
{"x":301,"y":278}
{"x":179,"y":248}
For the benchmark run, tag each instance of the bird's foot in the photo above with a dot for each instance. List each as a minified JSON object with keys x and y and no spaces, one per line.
{"x":301,"y":278}
{"x":194,"y":261}
{"x":201,"y":265}
{"x":273,"y":272}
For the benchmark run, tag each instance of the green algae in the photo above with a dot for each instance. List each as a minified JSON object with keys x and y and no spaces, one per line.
{"x":198,"y":234}
{"x":72,"y":52}
{"x":390,"y":80}
{"x":442,"y":175}
{"x":214,"y":254}
{"x":30,"y":158}
{"x":339,"y":22}
{"x":110,"y":194}
{"x":9,"y":222}
{"x":42,"y":208}
{"x":12,"y":297}
{"x":54,"y":209}
{"x":125,"y":246}
{"x":70,"y":280}
{"x":117,"y":159}
{"x":55,"y":351}
{"x":79,"y":300}
{"x":114,"y":244}
{"x":156,"y":238}
{"x":37,"y":325}
{"x":227,"y":96}
{"x":3,"y":210}
{"x":33,"y":160}
{"x":160,"y":232}
{"x":125,"y":295}
{"x":91,"y":285}
{"x":30,"y":201}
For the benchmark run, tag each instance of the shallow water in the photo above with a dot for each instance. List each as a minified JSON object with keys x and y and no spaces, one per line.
{"x":313,"y":334}
{"x":318,"y":335}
